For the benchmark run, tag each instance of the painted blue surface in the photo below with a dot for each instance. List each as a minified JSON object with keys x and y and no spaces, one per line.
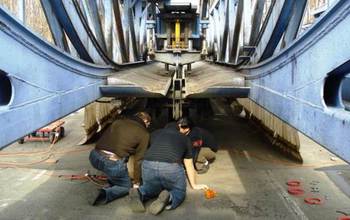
{"x":46,"y":84}
{"x":291,"y":84}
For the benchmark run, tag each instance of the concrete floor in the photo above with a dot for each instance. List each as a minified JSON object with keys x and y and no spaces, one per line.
{"x":249,"y":177}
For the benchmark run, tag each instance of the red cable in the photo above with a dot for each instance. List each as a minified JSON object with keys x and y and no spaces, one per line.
{"x":345,"y":217}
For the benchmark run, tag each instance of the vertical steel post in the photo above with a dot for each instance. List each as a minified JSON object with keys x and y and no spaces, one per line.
{"x":106,"y":6}
{"x":120,"y":31}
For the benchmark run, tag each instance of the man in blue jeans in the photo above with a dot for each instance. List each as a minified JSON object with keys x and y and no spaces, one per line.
{"x":163,"y":173}
{"x":124,"y":137}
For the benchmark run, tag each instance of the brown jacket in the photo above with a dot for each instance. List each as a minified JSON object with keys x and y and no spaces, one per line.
{"x":126,"y":137}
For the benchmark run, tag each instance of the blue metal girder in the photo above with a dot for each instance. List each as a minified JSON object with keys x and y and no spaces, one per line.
{"x":94,"y":22}
{"x":256,"y":21}
{"x":224,"y":11}
{"x":120,"y":32}
{"x":38,"y":82}
{"x":293,"y":84}
{"x":61,"y":14}
{"x":54,"y":25}
{"x":294,"y":23}
{"x":275,"y":25}
{"x":107,"y":10}
{"x":73,"y":22}
{"x":235,"y":42}
{"x":133,"y":41}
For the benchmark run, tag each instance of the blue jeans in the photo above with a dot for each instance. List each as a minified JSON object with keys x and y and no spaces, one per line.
{"x":117,"y":175}
{"x":158,"y":176}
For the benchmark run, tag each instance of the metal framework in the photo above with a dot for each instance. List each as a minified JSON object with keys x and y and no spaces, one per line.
{"x":302,"y":78}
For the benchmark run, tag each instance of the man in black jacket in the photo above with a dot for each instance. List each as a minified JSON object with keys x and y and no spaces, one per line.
{"x":204,"y":145}
{"x":124,"y":137}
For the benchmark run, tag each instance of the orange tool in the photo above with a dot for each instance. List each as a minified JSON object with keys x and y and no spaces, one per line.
{"x":209,"y":193}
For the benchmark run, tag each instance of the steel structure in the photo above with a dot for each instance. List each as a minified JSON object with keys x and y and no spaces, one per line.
{"x":299,"y":77}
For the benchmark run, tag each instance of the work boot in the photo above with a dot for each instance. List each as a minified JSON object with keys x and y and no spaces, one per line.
{"x":203,"y":169}
{"x":135,"y":201}
{"x":158,"y":205}
{"x":99,"y":198}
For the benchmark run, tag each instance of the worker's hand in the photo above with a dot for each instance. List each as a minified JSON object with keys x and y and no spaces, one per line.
{"x":136,"y":185}
{"x":200,"y":186}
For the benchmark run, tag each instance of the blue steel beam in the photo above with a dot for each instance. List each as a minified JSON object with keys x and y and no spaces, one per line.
{"x":76,"y":16}
{"x":293,"y":84}
{"x":72,"y":20}
{"x":132,"y":35}
{"x":215,"y":29}
{"x":138,"y":16}
{"x":235,"y":42}
{"x":107,"y":11}
{"x":274,"y":27}
{"x":39,"y":83}
{"x":294,"y":23}
{"x":256,"y":21}
{"x":92,"y":17}
{"x":77,"y":28}
{"x":73,"y":35}
{"x":221,"y":18}
{"x":224,"y":22}
{"x":54,"y":25}
{"x":120,"y":32}
{"x":142,"y":30}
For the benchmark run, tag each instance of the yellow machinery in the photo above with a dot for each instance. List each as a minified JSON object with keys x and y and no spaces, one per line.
{"x":177,"y":43}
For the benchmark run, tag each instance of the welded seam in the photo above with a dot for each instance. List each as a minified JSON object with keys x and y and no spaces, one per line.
{"x":33,"y":101}
{"x":34,"y":85}
{"x":288,"y":96}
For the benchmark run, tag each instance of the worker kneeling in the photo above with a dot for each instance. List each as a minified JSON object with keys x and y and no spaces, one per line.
{"x":163,"y":174}
{"x":123,"y":138}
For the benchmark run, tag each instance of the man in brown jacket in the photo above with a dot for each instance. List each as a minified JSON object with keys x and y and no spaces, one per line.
{"x":124,"y":137}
